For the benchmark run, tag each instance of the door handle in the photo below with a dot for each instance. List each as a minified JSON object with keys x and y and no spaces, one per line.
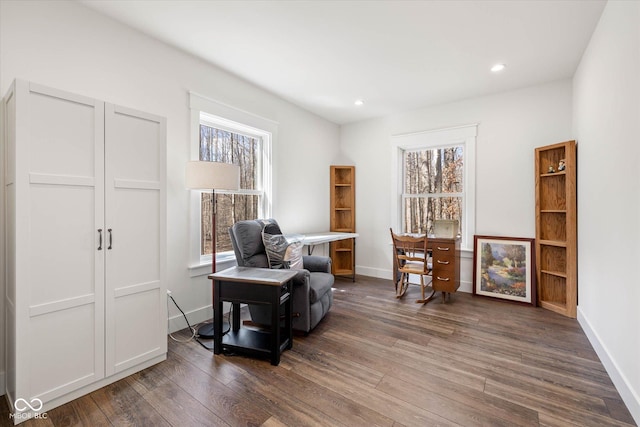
{"x":110,"y":239}
{"x":100,"y":242}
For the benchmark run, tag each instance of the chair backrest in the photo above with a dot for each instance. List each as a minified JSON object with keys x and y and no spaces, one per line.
{"x":407,"y":248}
{"x":246,"y":239}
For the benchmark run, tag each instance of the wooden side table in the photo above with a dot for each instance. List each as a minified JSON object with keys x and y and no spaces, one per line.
{"x":253,"y":286}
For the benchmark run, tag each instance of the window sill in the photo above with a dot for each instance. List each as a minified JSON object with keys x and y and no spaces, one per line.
{"x":222,"y":263}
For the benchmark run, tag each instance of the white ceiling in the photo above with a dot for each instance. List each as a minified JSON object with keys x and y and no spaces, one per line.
{"x":396,"y":55}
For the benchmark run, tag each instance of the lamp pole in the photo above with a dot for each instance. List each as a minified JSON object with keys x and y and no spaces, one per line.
{"x":207,"y":175}
{"x":206,"y":330}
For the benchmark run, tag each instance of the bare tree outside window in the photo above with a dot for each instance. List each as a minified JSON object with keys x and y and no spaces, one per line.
{"x":433,"y":187}
{"x":219,"y":145}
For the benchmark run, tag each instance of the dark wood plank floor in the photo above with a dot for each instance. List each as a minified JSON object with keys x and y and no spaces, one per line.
{"x":377,"y":361}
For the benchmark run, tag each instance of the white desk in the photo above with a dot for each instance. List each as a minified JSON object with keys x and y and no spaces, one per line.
{"x":312,"y":239}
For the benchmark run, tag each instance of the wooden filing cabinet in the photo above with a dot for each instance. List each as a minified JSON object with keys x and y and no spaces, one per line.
{"x":446,"y":264}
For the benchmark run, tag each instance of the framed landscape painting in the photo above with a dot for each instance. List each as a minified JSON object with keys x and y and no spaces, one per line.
{"x":504,"y":268}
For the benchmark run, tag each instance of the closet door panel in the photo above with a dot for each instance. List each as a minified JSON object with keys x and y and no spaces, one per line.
{"x":68,"y":229}
{"x":134,"y":143}
{"x":55,"y":368}
{"x":136,"y":338}
{"x":65,"y":126}
{"x":135,"y":239}
{"x":135,"y":213}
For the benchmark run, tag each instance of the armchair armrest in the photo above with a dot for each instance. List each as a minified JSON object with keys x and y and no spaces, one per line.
{"x":302,"y":279}
{"x":317,"y":263}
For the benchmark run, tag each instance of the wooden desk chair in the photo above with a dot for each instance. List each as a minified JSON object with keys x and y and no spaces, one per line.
{"x":411,"y":257}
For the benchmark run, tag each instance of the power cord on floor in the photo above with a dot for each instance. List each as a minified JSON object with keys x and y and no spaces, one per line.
{"x":193,"y":329}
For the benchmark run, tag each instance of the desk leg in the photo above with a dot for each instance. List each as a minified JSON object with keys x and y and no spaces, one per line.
{"x":217,"y":319}
{"x":353,"y":257}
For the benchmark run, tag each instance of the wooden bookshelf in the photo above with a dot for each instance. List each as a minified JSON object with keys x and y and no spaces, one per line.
{"x":556,"y":228}
{"x":343,"y":218}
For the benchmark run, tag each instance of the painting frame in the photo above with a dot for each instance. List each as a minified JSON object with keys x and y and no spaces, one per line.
{"x":487,"y":278}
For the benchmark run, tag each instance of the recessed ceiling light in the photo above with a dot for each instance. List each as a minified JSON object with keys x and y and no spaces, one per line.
{"x":359,"y":102}
{"x":498,"y":67}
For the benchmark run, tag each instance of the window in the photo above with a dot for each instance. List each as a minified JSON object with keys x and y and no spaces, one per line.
{"x":221,"y":145}
{"x":434,"y":172}
{"x":225,"y":134}
{"x":433,"y":187}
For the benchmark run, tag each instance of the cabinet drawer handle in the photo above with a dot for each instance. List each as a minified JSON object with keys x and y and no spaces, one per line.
{"x":100,"y":243}
{"x":444,"y":279}
{"x":443,"y":249}
{"x":110,"y":239}
{"x":442,"y":262}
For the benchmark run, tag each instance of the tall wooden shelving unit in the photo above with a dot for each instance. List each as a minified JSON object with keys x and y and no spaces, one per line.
{"x":343,"y":218}
{"x":556,"y":228}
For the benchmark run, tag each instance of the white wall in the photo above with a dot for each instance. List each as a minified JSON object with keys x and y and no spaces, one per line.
{"x":511,"y":125}
{"x":606,"y":110}
{"x":70,"y":47}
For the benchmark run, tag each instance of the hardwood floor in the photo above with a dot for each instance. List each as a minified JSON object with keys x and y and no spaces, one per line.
{"x":376,"y":361}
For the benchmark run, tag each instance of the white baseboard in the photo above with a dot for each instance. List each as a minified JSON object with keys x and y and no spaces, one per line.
{"x":620,"y":381}
{"x":465,"y":287}
{"x":379,"y":273}
{"x":177,"y":322}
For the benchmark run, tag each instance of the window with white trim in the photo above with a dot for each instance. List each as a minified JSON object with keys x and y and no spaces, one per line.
{"x":224,"y":134}
{"x":434,"y":180}
{"x":219,"y":143}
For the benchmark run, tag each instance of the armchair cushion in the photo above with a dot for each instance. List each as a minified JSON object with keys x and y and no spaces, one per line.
{"x":250,"y":252}
{"x":282,"y":251}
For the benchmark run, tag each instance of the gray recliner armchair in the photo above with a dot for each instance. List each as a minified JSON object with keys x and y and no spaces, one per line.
{"x":312,"y":295}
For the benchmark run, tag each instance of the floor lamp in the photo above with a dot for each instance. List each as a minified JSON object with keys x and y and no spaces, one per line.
{"x":203,"y":175}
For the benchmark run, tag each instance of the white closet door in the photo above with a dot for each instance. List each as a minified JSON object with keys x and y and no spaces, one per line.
{"x":135,"y":185}
{"x":59,"y":270}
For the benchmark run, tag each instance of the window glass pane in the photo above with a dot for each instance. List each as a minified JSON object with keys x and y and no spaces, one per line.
{"x":219,"y":145}
{"x":245,"y":151}
{"x":420,"y":212}
{"x":438,"y":170}
{"x":231,"y":208}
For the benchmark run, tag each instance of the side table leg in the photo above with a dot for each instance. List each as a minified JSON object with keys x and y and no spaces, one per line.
{"x":288,"y":313}
{"x":275,"y":326}
{"x":235,"y":317}
{"x":217,"y":319}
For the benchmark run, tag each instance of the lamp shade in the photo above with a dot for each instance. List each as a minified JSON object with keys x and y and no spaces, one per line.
{"x":212,"y":176}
